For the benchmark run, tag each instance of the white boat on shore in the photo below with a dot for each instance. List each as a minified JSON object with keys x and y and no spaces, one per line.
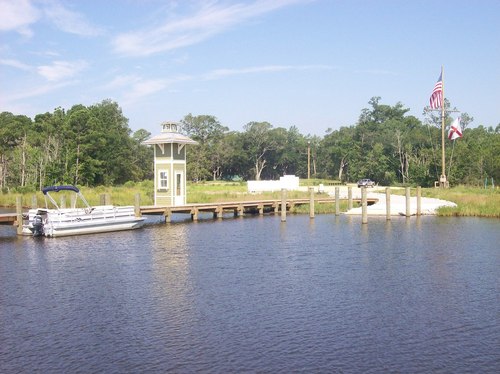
{"x":56,"y":221}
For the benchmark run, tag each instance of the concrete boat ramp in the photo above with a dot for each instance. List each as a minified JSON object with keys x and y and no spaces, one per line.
{"x":429,"y":205}
{"x":398,"y":205}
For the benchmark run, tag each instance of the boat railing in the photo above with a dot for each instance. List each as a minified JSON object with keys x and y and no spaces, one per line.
{"x":102,"y":212}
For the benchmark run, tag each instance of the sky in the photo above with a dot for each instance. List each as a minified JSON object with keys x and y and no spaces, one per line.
{"x":312,"y":64}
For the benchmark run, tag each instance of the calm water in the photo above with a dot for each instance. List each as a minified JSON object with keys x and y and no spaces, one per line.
{"x":255,"y":295}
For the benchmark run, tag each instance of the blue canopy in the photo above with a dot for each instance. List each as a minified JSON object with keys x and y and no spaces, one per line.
{"x":59,"y":188}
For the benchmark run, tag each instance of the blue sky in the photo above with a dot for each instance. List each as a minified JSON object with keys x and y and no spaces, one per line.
{"x":313,"y":64}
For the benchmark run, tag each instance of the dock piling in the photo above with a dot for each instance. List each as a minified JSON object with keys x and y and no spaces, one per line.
{"x":419,"y":200}
{"x":105,"y":199}
{"x":388,"y":203}
{"x":19,"y":214}
{"x":219,"y":212}
{"x":261,"y":209}
{"x":168,"y":215}
{"x":407,"y":194}
{"x":311,"y":202}
{"x":34,"y":202}
{"x":194,"y":214}
{"x":283,"y":205}
{"x":364,"y":206}
{"x":349,"y":198}
{"x":137,"y":205}
{"x":337,"y":201}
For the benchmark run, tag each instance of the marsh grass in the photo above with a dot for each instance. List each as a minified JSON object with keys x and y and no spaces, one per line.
{"x":119,"y":195}
{"x":320,"y":208}
{"x":471,"y":202}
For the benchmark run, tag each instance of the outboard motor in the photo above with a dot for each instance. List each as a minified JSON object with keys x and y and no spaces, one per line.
{"x":38,"y":225}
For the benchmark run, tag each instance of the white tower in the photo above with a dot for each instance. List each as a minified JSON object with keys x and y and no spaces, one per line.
{"x":170,"y":164}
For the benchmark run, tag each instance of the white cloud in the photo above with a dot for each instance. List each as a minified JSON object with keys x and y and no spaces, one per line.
{"x":38,"y":91}
{"x":136,"y":87}
{"x":221,"y":73}
{"x":377,"y":72}
{"x":69,"y":21}
{"x":60,"y":70}
{"x":122,"y":81}
{"x":146,"y":88}
{"x":17,"y":16}
{"x":210,"y":20}
{"x":15,"y":64}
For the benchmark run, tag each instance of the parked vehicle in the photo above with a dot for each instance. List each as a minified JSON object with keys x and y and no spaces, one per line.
{"x":366,"y":183}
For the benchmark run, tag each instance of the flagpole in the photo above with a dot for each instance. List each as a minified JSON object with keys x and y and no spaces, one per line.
{"x":442,"y":180}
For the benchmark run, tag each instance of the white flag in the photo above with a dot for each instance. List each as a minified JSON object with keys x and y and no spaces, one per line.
{"x":455,"y":130}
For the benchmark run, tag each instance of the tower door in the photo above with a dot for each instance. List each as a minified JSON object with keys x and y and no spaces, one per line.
{"x":180,"y":196}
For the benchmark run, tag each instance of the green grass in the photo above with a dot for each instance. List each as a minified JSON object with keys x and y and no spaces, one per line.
{"x":471,"y":201}
{"x":321,"y":208}
{"x":213,"y":192}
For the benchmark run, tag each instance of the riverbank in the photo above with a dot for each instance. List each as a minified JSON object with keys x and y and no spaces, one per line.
{"x":469,"y":201}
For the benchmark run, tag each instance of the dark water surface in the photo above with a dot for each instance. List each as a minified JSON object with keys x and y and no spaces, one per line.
{"x":327,"y":295}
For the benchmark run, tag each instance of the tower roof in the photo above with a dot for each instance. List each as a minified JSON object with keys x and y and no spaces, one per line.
{"x":170,"y":137}
{"x":170,"y":134}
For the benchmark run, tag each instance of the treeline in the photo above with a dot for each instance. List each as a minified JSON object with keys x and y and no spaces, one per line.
{"x":83,"y":146}
{"x":94,"y":146}
{"x":386,"y":145}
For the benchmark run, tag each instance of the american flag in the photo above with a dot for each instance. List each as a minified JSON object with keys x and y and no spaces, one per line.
{"x":436,"y":100}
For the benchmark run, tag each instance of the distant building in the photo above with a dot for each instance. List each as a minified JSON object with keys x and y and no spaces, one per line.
{"x":288,"y":182}
{"x":170,"y":164}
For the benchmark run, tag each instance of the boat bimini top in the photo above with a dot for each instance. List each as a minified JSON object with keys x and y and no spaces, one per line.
{"x":74,"y":189}
{"x":59,"y":188}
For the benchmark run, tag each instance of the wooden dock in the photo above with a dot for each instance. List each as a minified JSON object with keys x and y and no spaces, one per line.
{"x":8,"y":219}
{"x":217,"y":209}
{"x":238,"y":208}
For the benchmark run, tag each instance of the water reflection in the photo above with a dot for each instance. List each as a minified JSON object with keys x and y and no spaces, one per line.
{"x":171,"y":266}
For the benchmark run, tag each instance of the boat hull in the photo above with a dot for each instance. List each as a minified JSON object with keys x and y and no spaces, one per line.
{"x":66,"y":222}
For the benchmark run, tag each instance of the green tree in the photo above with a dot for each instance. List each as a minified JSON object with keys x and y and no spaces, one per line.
{"x":206,"y":159}
{"x":14,"y":147}
{"x":258,"y":143}
{"x":337,"y":151}
{"x":110,"y":145}
{"x":142,"y":157}
{"x":235,"y":161}
{"x":50,"y":145}
{"x":289,"y":155}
